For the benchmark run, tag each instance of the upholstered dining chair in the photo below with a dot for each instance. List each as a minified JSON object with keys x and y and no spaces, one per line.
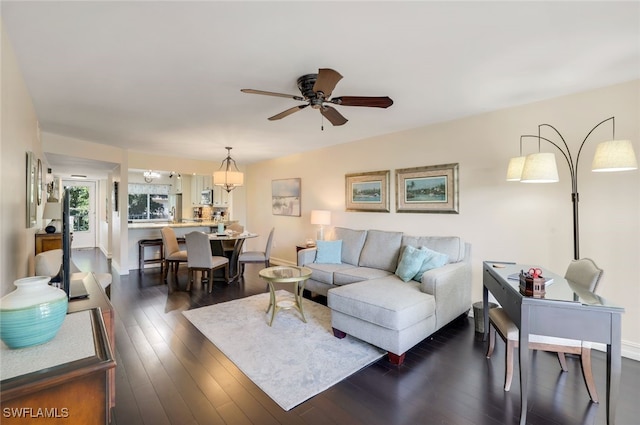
{"x":173,"y":256}
{"x":257,"y":256}
{"x":228,"y":246}
{"x":582,"y":273}
{"x":200,"y":258}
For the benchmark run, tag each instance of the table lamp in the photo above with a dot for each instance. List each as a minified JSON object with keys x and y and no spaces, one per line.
{"x":53,"y":212}
{"x":321,"y":218}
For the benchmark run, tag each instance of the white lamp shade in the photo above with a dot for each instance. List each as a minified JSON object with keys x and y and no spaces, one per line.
{"x":321,"y":217}
{"x":540,"y":168}
{"x":52,"y":211}
{"x":228,"y":178}
{"x":514,"y":171}
{"x":614,"y":155}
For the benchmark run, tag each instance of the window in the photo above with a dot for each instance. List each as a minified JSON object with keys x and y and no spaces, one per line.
{"x":79,"y":207}
{"x":148,"y":202}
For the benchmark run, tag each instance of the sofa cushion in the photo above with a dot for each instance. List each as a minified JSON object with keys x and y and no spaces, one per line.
{"x":329,"y":252}
{"x":453,"y":246}
{"x":324,"y":272}
{"x":381,"y":250}
{"x":352,"y":243}
{"x":411,"y":260}
{"x":357,"y":274}
{"x":432,"y":260}
{"x":387,"y":302}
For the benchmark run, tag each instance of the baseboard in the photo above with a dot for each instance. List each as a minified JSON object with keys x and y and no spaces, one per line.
{"x":630,"y":350}
{"x":280,"y":262}
{"x":115,"y":266}
{"x":105,"y":252}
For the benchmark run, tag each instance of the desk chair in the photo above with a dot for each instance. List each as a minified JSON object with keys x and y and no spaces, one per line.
{"x":583,"y":273}
{"x":200,"y":258}
{"x":257,"y":256}
{"x":48,"y":263}
{"x":173,"y":256}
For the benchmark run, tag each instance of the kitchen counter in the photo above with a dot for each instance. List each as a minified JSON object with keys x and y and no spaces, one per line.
{"x":151,"y":230}
{"x":189,"y":223}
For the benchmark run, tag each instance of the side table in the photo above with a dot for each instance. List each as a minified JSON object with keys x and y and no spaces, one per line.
{"x":285,"y":274}
{"x":48,"y":241}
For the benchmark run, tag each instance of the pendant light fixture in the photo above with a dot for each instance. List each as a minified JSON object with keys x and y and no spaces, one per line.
{"x":227,"y":177}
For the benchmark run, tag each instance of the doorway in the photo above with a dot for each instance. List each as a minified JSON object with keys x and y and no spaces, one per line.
{"x":82,"y":203}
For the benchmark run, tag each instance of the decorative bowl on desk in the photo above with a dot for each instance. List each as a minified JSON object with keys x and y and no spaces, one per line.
{"x":33,"y":313}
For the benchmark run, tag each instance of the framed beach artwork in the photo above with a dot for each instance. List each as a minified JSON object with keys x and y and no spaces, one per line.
{"x":285,"y":197}
{"x":367,"y":191}
{"x":432,"y":189}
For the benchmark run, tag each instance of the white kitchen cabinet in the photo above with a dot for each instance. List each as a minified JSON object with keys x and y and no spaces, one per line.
{"x":221,"y":198}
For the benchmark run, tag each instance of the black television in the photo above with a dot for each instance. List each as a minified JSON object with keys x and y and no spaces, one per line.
{"x":65,"y":272}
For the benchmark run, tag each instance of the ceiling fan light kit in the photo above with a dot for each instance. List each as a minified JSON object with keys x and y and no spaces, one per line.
{"x":316,"y":91}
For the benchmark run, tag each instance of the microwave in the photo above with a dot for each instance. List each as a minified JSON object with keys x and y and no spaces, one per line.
{"x":206,"y":197}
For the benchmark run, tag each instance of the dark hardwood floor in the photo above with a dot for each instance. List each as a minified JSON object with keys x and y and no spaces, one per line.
{"x":168,"y":373}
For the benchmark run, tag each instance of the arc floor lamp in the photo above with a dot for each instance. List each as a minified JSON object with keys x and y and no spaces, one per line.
{"x":540,"y":167}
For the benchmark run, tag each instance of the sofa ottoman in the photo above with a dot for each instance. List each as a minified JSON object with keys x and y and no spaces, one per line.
{"x":385,"y":312}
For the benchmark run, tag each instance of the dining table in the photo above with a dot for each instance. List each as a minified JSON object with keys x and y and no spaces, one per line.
{"x":238,"y":239}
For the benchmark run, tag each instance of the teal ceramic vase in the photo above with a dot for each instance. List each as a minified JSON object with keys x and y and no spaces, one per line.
{"x":33,"y":313}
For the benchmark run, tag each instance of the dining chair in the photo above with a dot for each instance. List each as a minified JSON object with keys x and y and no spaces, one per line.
{"x":257,"y":256}
{"x":228,"y":246}
{"x":173,"y":256}
{"x":200,"y":259}
{"x":582,"y":273}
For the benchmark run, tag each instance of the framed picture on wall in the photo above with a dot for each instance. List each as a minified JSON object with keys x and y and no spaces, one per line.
{"x":367,"y":191}
{"x":31,"y":174}
{"x":431,"y":189}
{"x":114,"y":198}
{"x":285,"y":197}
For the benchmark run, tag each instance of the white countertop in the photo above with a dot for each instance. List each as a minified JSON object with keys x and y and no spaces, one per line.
{"x":161,"y":224}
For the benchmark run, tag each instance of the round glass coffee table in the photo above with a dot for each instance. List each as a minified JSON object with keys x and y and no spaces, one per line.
{"x":285,"y":274}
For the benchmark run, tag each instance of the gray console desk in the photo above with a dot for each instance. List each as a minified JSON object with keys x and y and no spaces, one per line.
{"x":565,"y":312}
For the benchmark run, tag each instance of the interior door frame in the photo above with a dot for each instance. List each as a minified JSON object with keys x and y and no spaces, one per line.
{"x":87,"y":239}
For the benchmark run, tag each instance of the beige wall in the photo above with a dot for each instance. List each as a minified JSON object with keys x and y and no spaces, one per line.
{"x":529,"y":223}
{"x":19,"y":134}
{"x":510,"y":221}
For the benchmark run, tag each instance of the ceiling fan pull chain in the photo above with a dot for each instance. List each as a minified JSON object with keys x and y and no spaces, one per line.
{"x":321,"y":122}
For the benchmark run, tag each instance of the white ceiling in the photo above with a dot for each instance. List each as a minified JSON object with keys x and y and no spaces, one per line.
{"x":165,"y":77}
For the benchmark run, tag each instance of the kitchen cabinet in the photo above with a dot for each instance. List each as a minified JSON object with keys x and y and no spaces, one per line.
{"x":200,"y":183}
{"x":221,"y":198}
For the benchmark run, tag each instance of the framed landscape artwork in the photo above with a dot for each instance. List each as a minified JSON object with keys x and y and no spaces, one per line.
{"x":285,"y":197}
{"x":367,"y":191}
{"x":432,"y":189}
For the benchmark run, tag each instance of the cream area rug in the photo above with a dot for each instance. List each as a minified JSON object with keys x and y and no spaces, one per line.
{"x":291,"y":361}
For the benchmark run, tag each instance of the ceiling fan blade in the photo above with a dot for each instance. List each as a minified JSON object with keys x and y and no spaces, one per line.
{"x":287,"y":112}
{"x":270,"y":93}
{"x":326,"y":81}
{"x":333,"y":115}
{"x":374,"y":102}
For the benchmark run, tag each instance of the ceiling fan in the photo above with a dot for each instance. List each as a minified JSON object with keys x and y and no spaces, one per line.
{"x":316,"y":91}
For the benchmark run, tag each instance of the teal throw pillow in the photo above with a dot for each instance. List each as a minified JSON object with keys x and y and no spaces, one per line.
{"x":329,"y":252}
{"x":410,"y":262}
{"x":434,"y":260}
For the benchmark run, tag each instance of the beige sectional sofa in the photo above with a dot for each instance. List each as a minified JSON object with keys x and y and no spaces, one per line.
{"x":370,"y":302}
